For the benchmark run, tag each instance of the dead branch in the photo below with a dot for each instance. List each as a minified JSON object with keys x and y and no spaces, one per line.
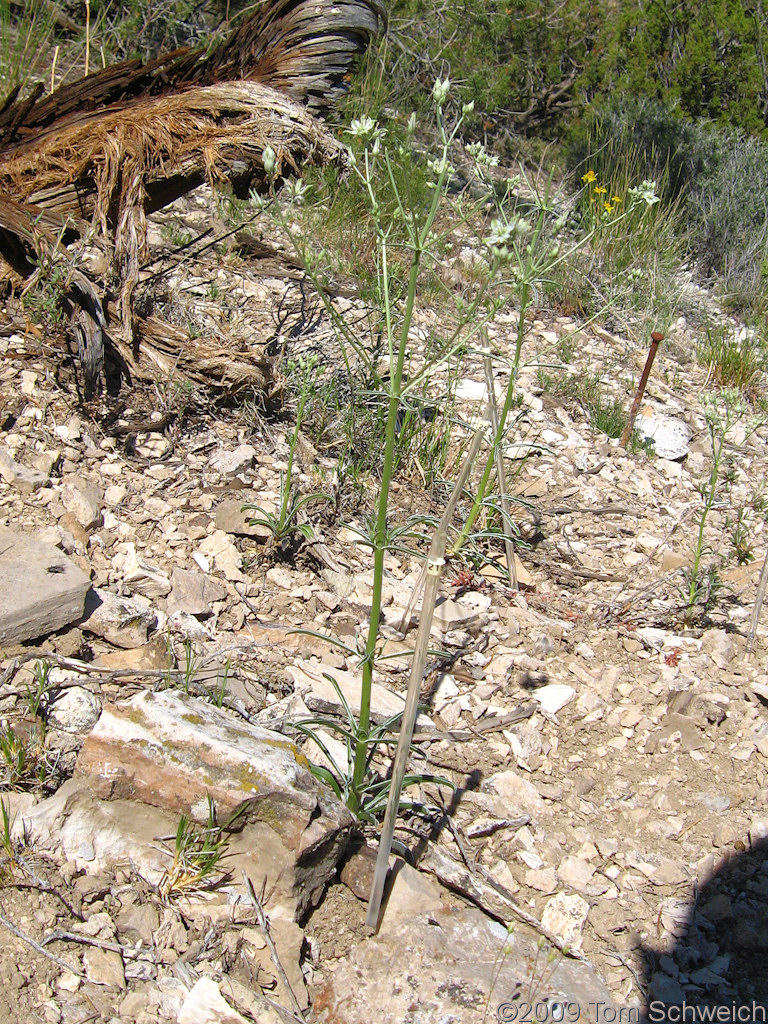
{"x":97,"y":156}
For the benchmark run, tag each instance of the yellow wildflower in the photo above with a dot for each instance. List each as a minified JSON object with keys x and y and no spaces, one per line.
{"x":615,"y":199}
{"x":589,"y":177}
{"x":600,"y":190}
{"x":608,"y":207}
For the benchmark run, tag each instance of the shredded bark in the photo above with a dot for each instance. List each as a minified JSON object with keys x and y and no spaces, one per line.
{"x":94,"y":158}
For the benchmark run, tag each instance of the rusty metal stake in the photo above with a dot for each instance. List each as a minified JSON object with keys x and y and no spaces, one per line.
{"x":656,"y":337}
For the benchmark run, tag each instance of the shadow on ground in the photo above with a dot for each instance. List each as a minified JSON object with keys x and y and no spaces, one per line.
{"x":719,"y":958}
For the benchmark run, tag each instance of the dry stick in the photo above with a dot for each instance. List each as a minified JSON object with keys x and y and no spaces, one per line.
{"x":40,"y":949}
{"x":60,"y":935}
{"x":758,"y":604}
{"x":450,"y":508}
{"x":519,"y":912}
{"x":433,"y":570}
{"x":435,"y":563}
{"x":656,"y":337}
{"x":53,"y":68}
{"x":264,"y":925}
{"x":500,"y":472}
{"x":87,"y":35}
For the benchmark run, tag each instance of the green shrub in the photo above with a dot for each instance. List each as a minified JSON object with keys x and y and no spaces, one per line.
{"x":735,"y":359}
{"x":664,"y":146}
{"x":529,"y":62}
{"x":716,"y":177}
{"x":728,"y":216}
{"x":703,"y":55}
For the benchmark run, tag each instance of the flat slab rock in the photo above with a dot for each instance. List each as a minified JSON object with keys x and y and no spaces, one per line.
{"x":172,"y":751}
{"x":41,"y":590}
{"x":435,"y":959}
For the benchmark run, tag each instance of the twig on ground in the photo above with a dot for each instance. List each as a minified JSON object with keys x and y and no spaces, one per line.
{"x":477,"y":871}
{"x":264,"y":925}
{"x":38,"y":948}
{"x":759,"y":597}
{"x":60,"y":935}
{"x":40,"y":886}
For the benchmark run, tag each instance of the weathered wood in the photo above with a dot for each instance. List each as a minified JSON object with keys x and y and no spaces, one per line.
{"x":109,"y":149}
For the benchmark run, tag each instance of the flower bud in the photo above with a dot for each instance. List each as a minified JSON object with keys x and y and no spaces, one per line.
{"x":440,"y":91}
{"x":268,"y":160}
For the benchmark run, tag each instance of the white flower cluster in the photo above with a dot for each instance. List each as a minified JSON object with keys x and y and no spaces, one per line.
{"x":296,"y":190}
{"x":438,"y":167}
{"x":645,"y":193}
{"x":481,"y":156}
{"x":503,"y":232}
{"x":365,"y":128}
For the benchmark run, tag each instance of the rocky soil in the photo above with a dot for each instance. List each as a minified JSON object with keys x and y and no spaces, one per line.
{"x":610,"y":759}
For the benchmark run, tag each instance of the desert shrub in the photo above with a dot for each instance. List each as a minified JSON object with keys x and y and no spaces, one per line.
{"x":735,"y":358}
{"x":650,"y":134}
{"x":718,"y":176}
{"x":510,"y":57}
{"x":703,"y":55}
{"x":729,"y":217}
{"x":145,"y":28}
{"x":528,"y":63}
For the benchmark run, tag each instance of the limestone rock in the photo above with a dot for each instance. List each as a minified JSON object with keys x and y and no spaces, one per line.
{"x":451,"y":613}
{"x":137,"y":922}
{"x":666,"y":990}
{"x":75,"y":709}
{"x":320,"y":695}
{"x":193,"y":593}
{"x":554,"y":696}
{"x":104,"y":967}
{"x":230,"y":463}
{"x":172,"y":751}
{"x":357,"y":873}
{"x":220,"y":548}
{"x":83,"y":500}
{"x":97,"y":835}
{"x":670,"y":435}
{"x":25,"y":480}
{"x":122,"y":621}
{"x":565,"y":916}
{"x":230,"y":517}
{"x":141,"y":576}
{"x":152,"y":655}
{"x":206,"y":1005}
{"x":41,"y":590}
{"x":515,"y":794}
{"x":576,"y":872}
{"x":459,"y":962}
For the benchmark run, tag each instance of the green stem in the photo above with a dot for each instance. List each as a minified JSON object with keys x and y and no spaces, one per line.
{"x":709,"y":501}
{"x":419,"y":240}
{"x":482,"y":489}
{"x":285,"y":482}
{"x":380,"y":545}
